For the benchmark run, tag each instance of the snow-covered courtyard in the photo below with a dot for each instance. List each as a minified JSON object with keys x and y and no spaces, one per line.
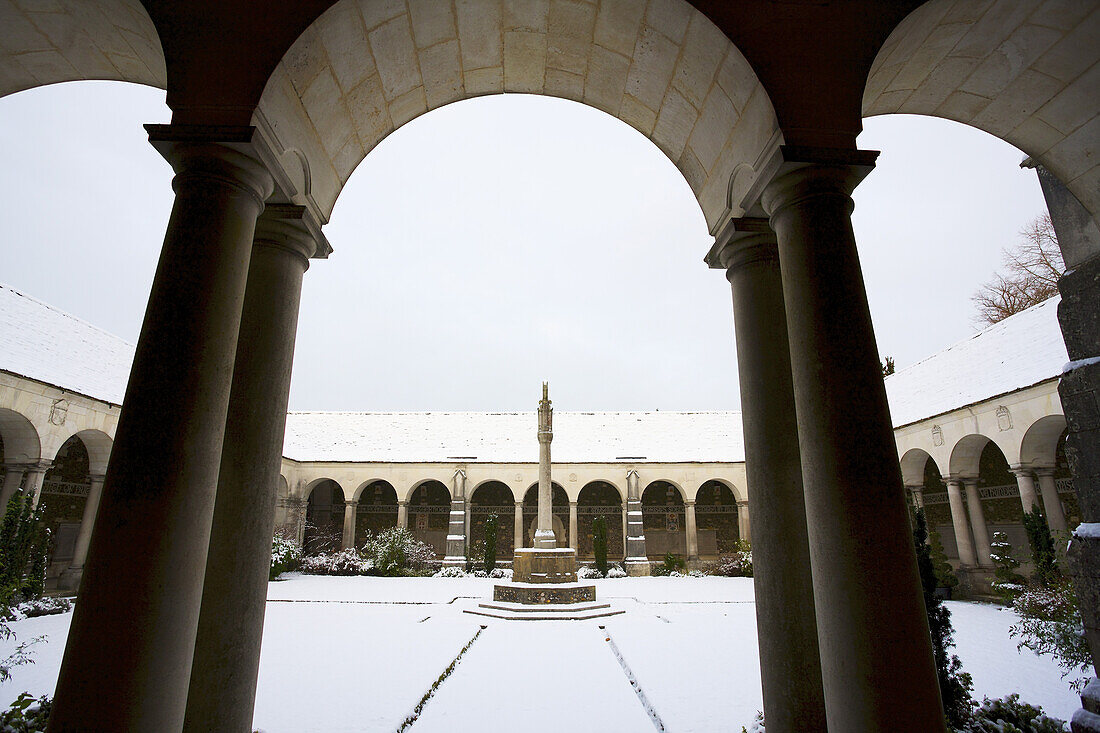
{"x":361,"y":653}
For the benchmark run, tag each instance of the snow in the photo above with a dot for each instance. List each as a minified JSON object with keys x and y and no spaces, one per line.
{"x":359,"y":653}
{"x":509,"y":437}
{"x":1020,"y":351}
{"x":1087,"y":530}
{"x":50,"y":346}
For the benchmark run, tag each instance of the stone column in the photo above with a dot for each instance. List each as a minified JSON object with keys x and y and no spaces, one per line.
{"x":1048,"y":487}
{"x":70,"y":579}
{"x":744,"y":524}
{"x":403,"y":514}
{"x":573,"y":525}
{"x":1026,"y":482}
{"x":977,"y":521}
{"x":918,"y":496}
{"x":868,"y":598}
{"x":544,"y":528}
{"x":790,"y":665}
{"x":636,"y":562}
{"x":517,"y":531}
{"x":348,"y":540}
{"x":456,"y":525}
{"x":963,"y":542}
{"x":692,"y":533}
{"x":227,"y":648}
{"x":13,"y":477}
{"x":36,"y":474}
{"x":623,"y":505}
{"x":143,"y":579}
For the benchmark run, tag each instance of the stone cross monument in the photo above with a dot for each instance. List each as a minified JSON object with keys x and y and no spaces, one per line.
{"x":544,"y":532}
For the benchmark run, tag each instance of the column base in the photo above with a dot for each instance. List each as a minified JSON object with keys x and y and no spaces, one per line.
{"x":545,"y":539}
{"x":637,"y":567}
{"x":454,"y":561}
{"x":70,"y":579}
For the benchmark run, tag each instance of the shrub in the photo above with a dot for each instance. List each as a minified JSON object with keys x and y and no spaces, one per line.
{"x":587,"y":572}
{"x":1050,"y":623}
{"x":26,"y":714}
{"x":1046,"y":571}
{"x":396,"y":551}
{"x":757,"y":724}
{"x":24,"y":546}
{"x":489,"y":561}
{"x":450,"y":572}
{"x":1008,"y":583}
{"x":736,"y":565}
{"x":672,"y":565}
{"x":599,"y":544}
{"x":341,"y":562}
{"x":505,"y":573}
{"x":286,"y":554}
{"x":616,"y":572}
{"x":1009,"y":715}
{"x":955,"y":685}
{"x":44,"y":607}
{"x":945,"y":574}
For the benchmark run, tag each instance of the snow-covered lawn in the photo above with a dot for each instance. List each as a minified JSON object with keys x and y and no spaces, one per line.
{"x":358,"y":654}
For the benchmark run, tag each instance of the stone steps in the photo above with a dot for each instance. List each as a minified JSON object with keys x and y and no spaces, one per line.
{"x":544,"y":611}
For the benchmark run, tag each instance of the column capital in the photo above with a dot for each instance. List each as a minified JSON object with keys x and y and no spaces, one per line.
{"x":402,"y":503}
{"x":294,"y":229}
{"x":92,"y":478}
{"x":743,"y":241}
{"x":230,"y":153}
{"x":572,"y":505}
{"x":795,"y":173}
{"x":42,"y":465}
{"x":351,"y":502}
{"x":1020,"y":469}
{"x":1044,"y":471}
{"x":689,"y":503}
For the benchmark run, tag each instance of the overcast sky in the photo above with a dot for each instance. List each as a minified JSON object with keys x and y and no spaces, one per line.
{"x":494,"y":243}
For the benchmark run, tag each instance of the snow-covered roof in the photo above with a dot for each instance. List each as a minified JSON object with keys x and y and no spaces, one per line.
{"x":40,"y":342}
{"x":43,"y":343}
{"x":510,"y":437}
{"x":1018,"y":352}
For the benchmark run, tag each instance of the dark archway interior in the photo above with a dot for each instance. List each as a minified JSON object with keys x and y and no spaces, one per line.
{"x":492,"y":498}
{"x":376,"y":511}
{"x":64,"y":496}
{"x":599,"y":499}
{"x":324,"y":518}
{"x":429,"y":507}
{"x":716,"y":519}
{"x":663,"y":520}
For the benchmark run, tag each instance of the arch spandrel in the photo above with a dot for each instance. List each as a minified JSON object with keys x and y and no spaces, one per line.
{"x":48,"y":43}
{"x":363,"y":69}
{"x":1023,"y":70}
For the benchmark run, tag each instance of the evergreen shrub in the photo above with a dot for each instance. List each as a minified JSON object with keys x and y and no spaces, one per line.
{"x":1008,"y":583}
{"x":489,"y":561}
{"x":599,"y":544}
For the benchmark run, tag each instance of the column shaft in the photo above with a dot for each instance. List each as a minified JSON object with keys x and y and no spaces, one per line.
{"x":977,"y":521}
{"x":147,"y":557}
{"x":517,"y":531}
{"x":348,"y":540}
{"x":692,"y":533}
{"x":403,"y":514}
{"x":1026,"y":483}
{"x":70,"y":579}
{"x":870,"y":609}
{"x":790,"y":664}
{"x":963,"y":541}
{"x":1052,"y":505}
{"x":573,"y":525}
{"x":222,"y":690}
{"x":35,"y":476}
{"x":13,"y":477}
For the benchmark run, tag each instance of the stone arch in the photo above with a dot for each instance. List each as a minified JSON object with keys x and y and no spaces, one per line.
{"x":600,"y":499}
{"x":559,"y":506}
{"x":1022,"y":70}
{"x":493,"y":497}
{"x":913,"y":466}
{"x":324,"y":515}
{"x":109,"y":40}
{"x":1039,"y":446}
{"x":737,"y":493}
{"x":494,"y":481}
{"x":98,"y":444}
{"x":362,"y":70}
{"x":664,"y":520}
{"x":376,"y":508}
{"x":966,"y":455}
{"x":716,"y":518}
{"x":19,"y":438}
{"x":429,"y":506}
{"x":65,"y":490}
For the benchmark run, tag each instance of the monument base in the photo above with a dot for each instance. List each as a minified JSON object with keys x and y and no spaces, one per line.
{"x":538,"y":594}
{"x":636,"y":567}
{"x":544,"y":565}
{"x":544,"y":612}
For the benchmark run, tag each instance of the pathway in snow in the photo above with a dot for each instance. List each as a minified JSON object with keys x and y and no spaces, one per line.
{"x":536,"y":676}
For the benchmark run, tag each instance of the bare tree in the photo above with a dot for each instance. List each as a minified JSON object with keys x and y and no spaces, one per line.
{"x":1030,"y":276}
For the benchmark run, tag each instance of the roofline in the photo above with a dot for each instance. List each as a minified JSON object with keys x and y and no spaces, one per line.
{"x":66,"y":390}
{"x":971,"y":404}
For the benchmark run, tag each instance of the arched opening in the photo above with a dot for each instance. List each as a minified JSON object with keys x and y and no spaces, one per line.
{"x":376,"y":510}
{"x":492,"y":498}
{"x":559,"y":507}
{"x":64,"y":498}
{"x":429,"y":508}
{"x":18,"y":439}
{"x":600,"y":499}
{"x":716,"y":520}
{"x":663,"y":520}
{"x":324,"y":517}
